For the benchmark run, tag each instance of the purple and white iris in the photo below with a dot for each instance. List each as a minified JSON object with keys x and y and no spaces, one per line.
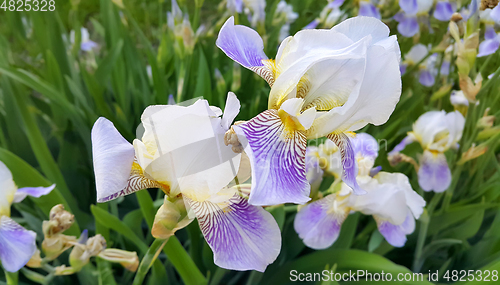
{"x":182,"y":152}
{"x":427,"y":70}
{"x":17,"y":244}
{"x":323,"y":83}
{"x":85,"y":43}
{"x":436,"y":131}
{"x":413,"y":12}
{"x":389,"y":199}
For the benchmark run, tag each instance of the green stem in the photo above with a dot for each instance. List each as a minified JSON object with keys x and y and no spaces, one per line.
{"x":33,"y":276}
{"x":183,"y":263}
{"x":422,"y":234}
{"x":11,"y":277}
{"x":148,"y":259}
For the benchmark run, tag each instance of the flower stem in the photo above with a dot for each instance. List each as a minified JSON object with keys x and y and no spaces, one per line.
{"x":148,"y":259}
{"x":11,"y":277}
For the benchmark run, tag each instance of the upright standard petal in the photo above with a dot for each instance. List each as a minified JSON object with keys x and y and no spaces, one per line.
{"x":17,"y":245}
{"x":113,"y":159}
{"x":357,"y":28}
{"x":434,"y":173}
{"x":374,"y":103}
{"x":277,"y":154}
{"x":368,"y":10}
{"x":348,"y":162}
{"x":242,"y":236}
{"x":318,"y":224}
{"x":426,"y":78}
{"x":409,"y":6}
{"x":245,"y":46}
{"x":230,"y":111}
{"x":7,"y":190}
{"x":36,"y":192}
{"x":396,"y":234}
{"x":443,"y":11}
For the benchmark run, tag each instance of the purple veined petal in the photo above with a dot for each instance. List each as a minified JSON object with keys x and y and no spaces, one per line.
{"x":443,"y":11}
{"x":348,"y":162}
{"x":410,"y":7}
{"x":368,"y":10}
{"x":495,"y":14}
{"x":335,"y":4}
{"x":312,"y":25}
{"x":17,"y":244}
{"x":425,"y":78}
{"x":241,"y":236}
{"x":396,"y":234}
{"x":317,"y":225}
{"x":36,"y":192}
{"x":245,"y":46}
{"x":400,"y":146}
{"x":408,"y":26}
{"x":488,"y":47}
{"x":434,"y":173}
{"x":278,"y":160}
{"x":88,"y":45}
{"x":402,"y":68}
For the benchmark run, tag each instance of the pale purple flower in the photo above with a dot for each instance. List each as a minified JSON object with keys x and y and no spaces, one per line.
{"x":329,"y":61}
{"x":436,"y":131}
{"x":368,"y":9}
{"x":182,"y":151}
{"x":413,"y":12}
{"x":85,"y":43}
{"x":17,"y":244}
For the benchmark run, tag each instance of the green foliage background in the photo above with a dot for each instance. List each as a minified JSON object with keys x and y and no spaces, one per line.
{"x":51,"y":93}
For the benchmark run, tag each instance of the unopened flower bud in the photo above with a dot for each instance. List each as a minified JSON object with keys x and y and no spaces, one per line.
{"x":53,"y":246}
{"x":127,"y":259}
{"x":36,"y":260}
{"x":171,"y":217}
{"x":473,"y":152}
{"x":455,"y":17}
{"x":85,"y":249}
{"x":60,"y":220}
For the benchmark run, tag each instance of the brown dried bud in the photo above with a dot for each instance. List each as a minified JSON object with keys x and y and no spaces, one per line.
{"x":455,"y":17}
{"x":485,"y":4}
{"x":60,"y":220}
{"x":230,"y":138}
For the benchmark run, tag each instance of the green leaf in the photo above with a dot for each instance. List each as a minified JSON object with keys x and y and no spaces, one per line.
{"x":115,"y":224}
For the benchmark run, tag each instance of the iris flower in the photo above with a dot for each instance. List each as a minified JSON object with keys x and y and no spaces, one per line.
{"x":323,"y":83}
{"x":413,"y":12}
{"x":85,"y":43}
{"x":17,"y":244}
{"x":367,"y":8}
{"x":490,"y":44}
{"x":389,"y":199}
{"x":436,"y":131}
{"x":182,"y":152}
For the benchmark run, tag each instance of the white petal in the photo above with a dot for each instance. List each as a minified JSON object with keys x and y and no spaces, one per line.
{"x":357,"y":28}
{"x":113,"y":156}
{"x":375,"y":102}
{"x":230,"y":111}
{"x":7,"y":190}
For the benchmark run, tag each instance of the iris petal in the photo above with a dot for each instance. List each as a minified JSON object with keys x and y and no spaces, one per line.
{"x":245,"y":46}
{"x":348,"y":162}
{"x":36,"y":192}
{"x":277,"y":155}
{"x":317,"y":225}
{"x":434,"y":173}
{"x":17,"y":245}
{"x":396,"y":234}
{"x":242,"y":236}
